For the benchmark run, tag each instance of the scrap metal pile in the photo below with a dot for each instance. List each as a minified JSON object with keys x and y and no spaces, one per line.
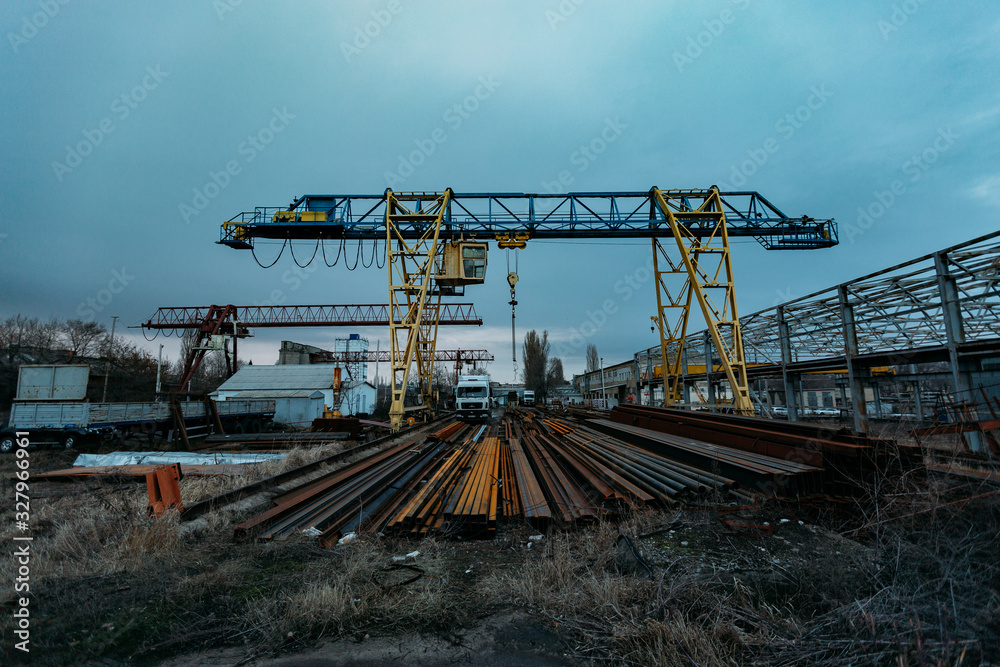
{"x":461,"y":479}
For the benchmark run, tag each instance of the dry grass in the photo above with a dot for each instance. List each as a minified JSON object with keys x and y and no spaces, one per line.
{"x":195,"y":489}
{"x":916,"y":583}
{"x":630,"y":619}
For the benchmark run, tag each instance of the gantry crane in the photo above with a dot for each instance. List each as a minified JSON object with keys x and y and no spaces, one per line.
{"x":214,"y":326}
{"x":436,"y":244}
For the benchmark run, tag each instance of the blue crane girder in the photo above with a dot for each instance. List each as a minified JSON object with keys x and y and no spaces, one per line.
{"x":576,"y":215}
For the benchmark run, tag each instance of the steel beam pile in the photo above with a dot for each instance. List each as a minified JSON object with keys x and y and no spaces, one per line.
{"x":462,"y":479}
{"x":643,"y":476}
{"x":842,"y":456}
{"x":343,"y":500}
{"x":769,"y":475}
{"x":460,"y":496}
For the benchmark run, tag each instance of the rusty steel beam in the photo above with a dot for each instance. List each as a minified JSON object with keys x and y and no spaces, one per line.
{"x":302,"y":316}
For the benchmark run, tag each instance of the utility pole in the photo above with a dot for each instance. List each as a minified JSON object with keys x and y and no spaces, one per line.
{"x":159,"y":365}
{"x":604,"y":393}
{"x":107,"y":359}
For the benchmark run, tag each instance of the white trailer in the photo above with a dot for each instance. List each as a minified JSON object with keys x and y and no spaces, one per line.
{"x":69,"y":423}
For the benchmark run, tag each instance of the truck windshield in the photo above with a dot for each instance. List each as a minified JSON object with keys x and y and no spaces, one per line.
{"x":471,"y":392}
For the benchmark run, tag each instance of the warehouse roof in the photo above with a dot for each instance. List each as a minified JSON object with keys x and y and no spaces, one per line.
{"x":279,"y":393}
{"x":292,"y":376}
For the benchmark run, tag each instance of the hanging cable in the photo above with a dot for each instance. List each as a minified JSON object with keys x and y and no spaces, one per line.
{"x":357,"y":258}
{"x":268,"y":266}
{"x":340,"y":249}
{"x":369,"y":264}
{"x":384,"y":254}
{"x":291,"y":249}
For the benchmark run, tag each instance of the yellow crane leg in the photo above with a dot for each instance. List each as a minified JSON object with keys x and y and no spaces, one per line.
{"x":705,"y":260}
{"x":413,"y":306}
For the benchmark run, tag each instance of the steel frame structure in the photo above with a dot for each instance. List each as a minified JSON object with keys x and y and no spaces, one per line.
{"x":944,"y":306}
{"x":633,"y":214}
{"x":704,"y":271}
{"x":235,"y":322}
{"x":384,"y":356}
{"x":354,"y":315}
{"x":699,"y":220}
{"x":414,"y":305}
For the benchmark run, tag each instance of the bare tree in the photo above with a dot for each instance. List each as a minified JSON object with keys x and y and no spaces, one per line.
{"x":535,"y":355}
{"x":132,"y":373}
{"x":593,"y":359}
{"x":29,"y":340}
{"x":84,"y":338}
{"x":555,"y":376}
{"x":442,"y":381}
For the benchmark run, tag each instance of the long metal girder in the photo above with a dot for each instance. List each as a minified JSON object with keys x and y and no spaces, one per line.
{"x":384,"y":356}
{"x":540,"y":216}
{"x":303,"y":316}
{"x":235,"y":322}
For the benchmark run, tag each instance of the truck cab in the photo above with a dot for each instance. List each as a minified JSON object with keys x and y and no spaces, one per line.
{"x":529,"y":398}
{"x":472,"y":397}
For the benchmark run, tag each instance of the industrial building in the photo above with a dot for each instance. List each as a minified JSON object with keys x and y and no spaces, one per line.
{"x":300,"y":392}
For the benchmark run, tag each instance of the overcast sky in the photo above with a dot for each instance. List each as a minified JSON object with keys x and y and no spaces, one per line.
{"x":121,"y":119}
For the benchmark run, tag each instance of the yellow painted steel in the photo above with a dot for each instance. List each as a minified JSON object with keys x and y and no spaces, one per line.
{"x":239,"y":232}
{"x":413,"y":305}
{"x":299,"y":216}
{"x":518,"y":240}
{"x":702,"y":272}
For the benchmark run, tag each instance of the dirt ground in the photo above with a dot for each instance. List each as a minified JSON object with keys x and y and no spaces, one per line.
{"x":905,"y":577}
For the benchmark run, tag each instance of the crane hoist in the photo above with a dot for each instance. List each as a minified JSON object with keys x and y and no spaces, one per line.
{"x":436,"y":244}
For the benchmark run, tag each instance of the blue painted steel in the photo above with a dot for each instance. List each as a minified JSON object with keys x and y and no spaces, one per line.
{"x":543,"y":216}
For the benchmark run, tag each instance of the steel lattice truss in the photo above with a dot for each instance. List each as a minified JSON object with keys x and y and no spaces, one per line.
{"x":320,"y":316}
{"x":573,"y":215}
{"x":383,"y":356}
{"x":896,"y":310}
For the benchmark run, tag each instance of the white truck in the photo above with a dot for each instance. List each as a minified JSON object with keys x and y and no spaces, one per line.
{"x":529,"y":398}
{"x":472,"y":396}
